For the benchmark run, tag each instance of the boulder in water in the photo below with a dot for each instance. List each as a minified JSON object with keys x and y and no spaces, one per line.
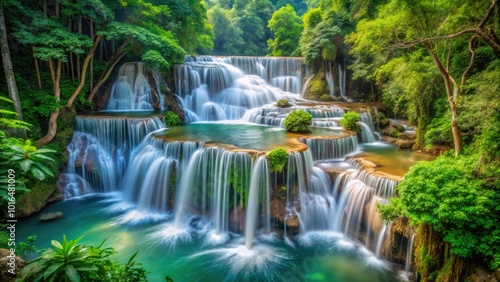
{"x":50,"y":216}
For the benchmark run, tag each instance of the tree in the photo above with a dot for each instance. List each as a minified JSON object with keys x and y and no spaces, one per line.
{"x":287,"y":27}
{"x":323,"y":40}
{"x":421,"y":23}
{"x":9,"y":73}
{"x":228,"y":40}
{"x":252,"y":17}
{"x":51,"y":41}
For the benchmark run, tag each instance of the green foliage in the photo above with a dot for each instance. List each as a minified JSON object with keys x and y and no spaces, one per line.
{"x":70,"y":261}
{"x":282,"y":192}
{"x":21,"y":247}
{"x":21,"y":162}
{"x":7,"y":117}
{"x":394,"y":133}
{"x":324,"y":41}
{"x":350,"y":121}
{"x":287,"y":27}
{"x":277,"y":159}
{"x":283,"y":103}
{"x":447,"y":196}
{"x":317,"y":86}
{"x":51,"y":40}
{"x":298,"y":121}
{"x":326,"y":97}
{"x":228,"y":35}
{"x":172,"y":119}
{"x":236,"y":181}
{"x":252,"y":18}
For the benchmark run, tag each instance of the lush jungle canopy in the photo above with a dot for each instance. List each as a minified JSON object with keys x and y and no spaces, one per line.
{"x":434,"y":62}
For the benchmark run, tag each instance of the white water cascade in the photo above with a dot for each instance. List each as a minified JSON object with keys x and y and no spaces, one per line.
{"x":131,"y":91}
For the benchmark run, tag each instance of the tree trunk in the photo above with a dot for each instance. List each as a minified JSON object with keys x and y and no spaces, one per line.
{"x":106,"y":76}
{"x":92,"y":58}
{"x":84,"y":72}
{"x":115,"y":58}
{"x":9,"y":72}
{"x":452,"y":99}
{"x":56,"y":79}
{"x":78,"y":56}
{"x":37,"y":69}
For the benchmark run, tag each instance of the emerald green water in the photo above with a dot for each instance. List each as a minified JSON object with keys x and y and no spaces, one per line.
{"x":200,"y":255}
{"x":245,"y":136}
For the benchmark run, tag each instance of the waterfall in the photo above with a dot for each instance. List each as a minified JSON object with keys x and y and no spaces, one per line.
{"x":118,"y":133}
{"x":154,"y":170}
{"x":331,"y":148}
{"x":131,"y":91}
{"x":409,"y":252}
{"x":367,"y":135}
{"x":326,"y":112}
{"x":259,"y":183}
{"x":366,"y":118}
{"x":342,"y":78}
{"x":225,"y":88}
{"x":329,"y":79}
{"x":89,"y":160}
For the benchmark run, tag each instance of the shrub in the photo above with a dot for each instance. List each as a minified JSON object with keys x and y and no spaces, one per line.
{"x":326,"y":97}
{"x":446,"y":195}
{"x":277,"y":159}
{"x":172,"y":119}
{"x":283,"y":103}
{"x":394,"y":133}
{"x":298,"y":121}
{"x":350,"y":121}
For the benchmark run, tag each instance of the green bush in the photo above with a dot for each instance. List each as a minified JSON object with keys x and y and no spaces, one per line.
{"x":283,"y":103}
{"x":69,"y":261}
{"x":277,"y":159}
{"x":326,"y":97}
{"x":394,"y":133}
{"x":298,"y":121}
{"x":350,"y":121}
{"x":172,"y":119}
{"x":446,"y":195}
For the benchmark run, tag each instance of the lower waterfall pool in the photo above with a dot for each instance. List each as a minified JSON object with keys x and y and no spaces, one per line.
{"x":196,"y":253}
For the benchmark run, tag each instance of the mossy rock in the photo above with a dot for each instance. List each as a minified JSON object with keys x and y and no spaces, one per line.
{"x":34,"y":201}
{"x":316,"y":87}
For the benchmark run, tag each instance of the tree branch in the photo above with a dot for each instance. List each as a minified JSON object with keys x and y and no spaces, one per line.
{"x":471,"y":63}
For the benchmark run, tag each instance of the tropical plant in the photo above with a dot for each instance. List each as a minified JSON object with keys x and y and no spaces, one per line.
{"x":67,"y":261}
{"x":277,"y":159}
{"x":298,"y":121}
{"x":6,"y":120}
{"x":21,"y":154}
{"x":70,"y":261}
{"x":350,"y":121}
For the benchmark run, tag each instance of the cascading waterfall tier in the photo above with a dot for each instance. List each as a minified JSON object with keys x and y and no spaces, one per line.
{"x":100,"y":149}
{"x":131,"y":91}
{"x":225,"y":88}
{"x":323,"y":148}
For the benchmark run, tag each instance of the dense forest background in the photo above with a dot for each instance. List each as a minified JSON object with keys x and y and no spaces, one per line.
{"x":434,"y":62}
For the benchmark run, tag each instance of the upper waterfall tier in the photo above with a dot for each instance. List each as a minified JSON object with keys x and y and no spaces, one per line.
{"x":221,"y":88}
{"x":131,"y":91}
